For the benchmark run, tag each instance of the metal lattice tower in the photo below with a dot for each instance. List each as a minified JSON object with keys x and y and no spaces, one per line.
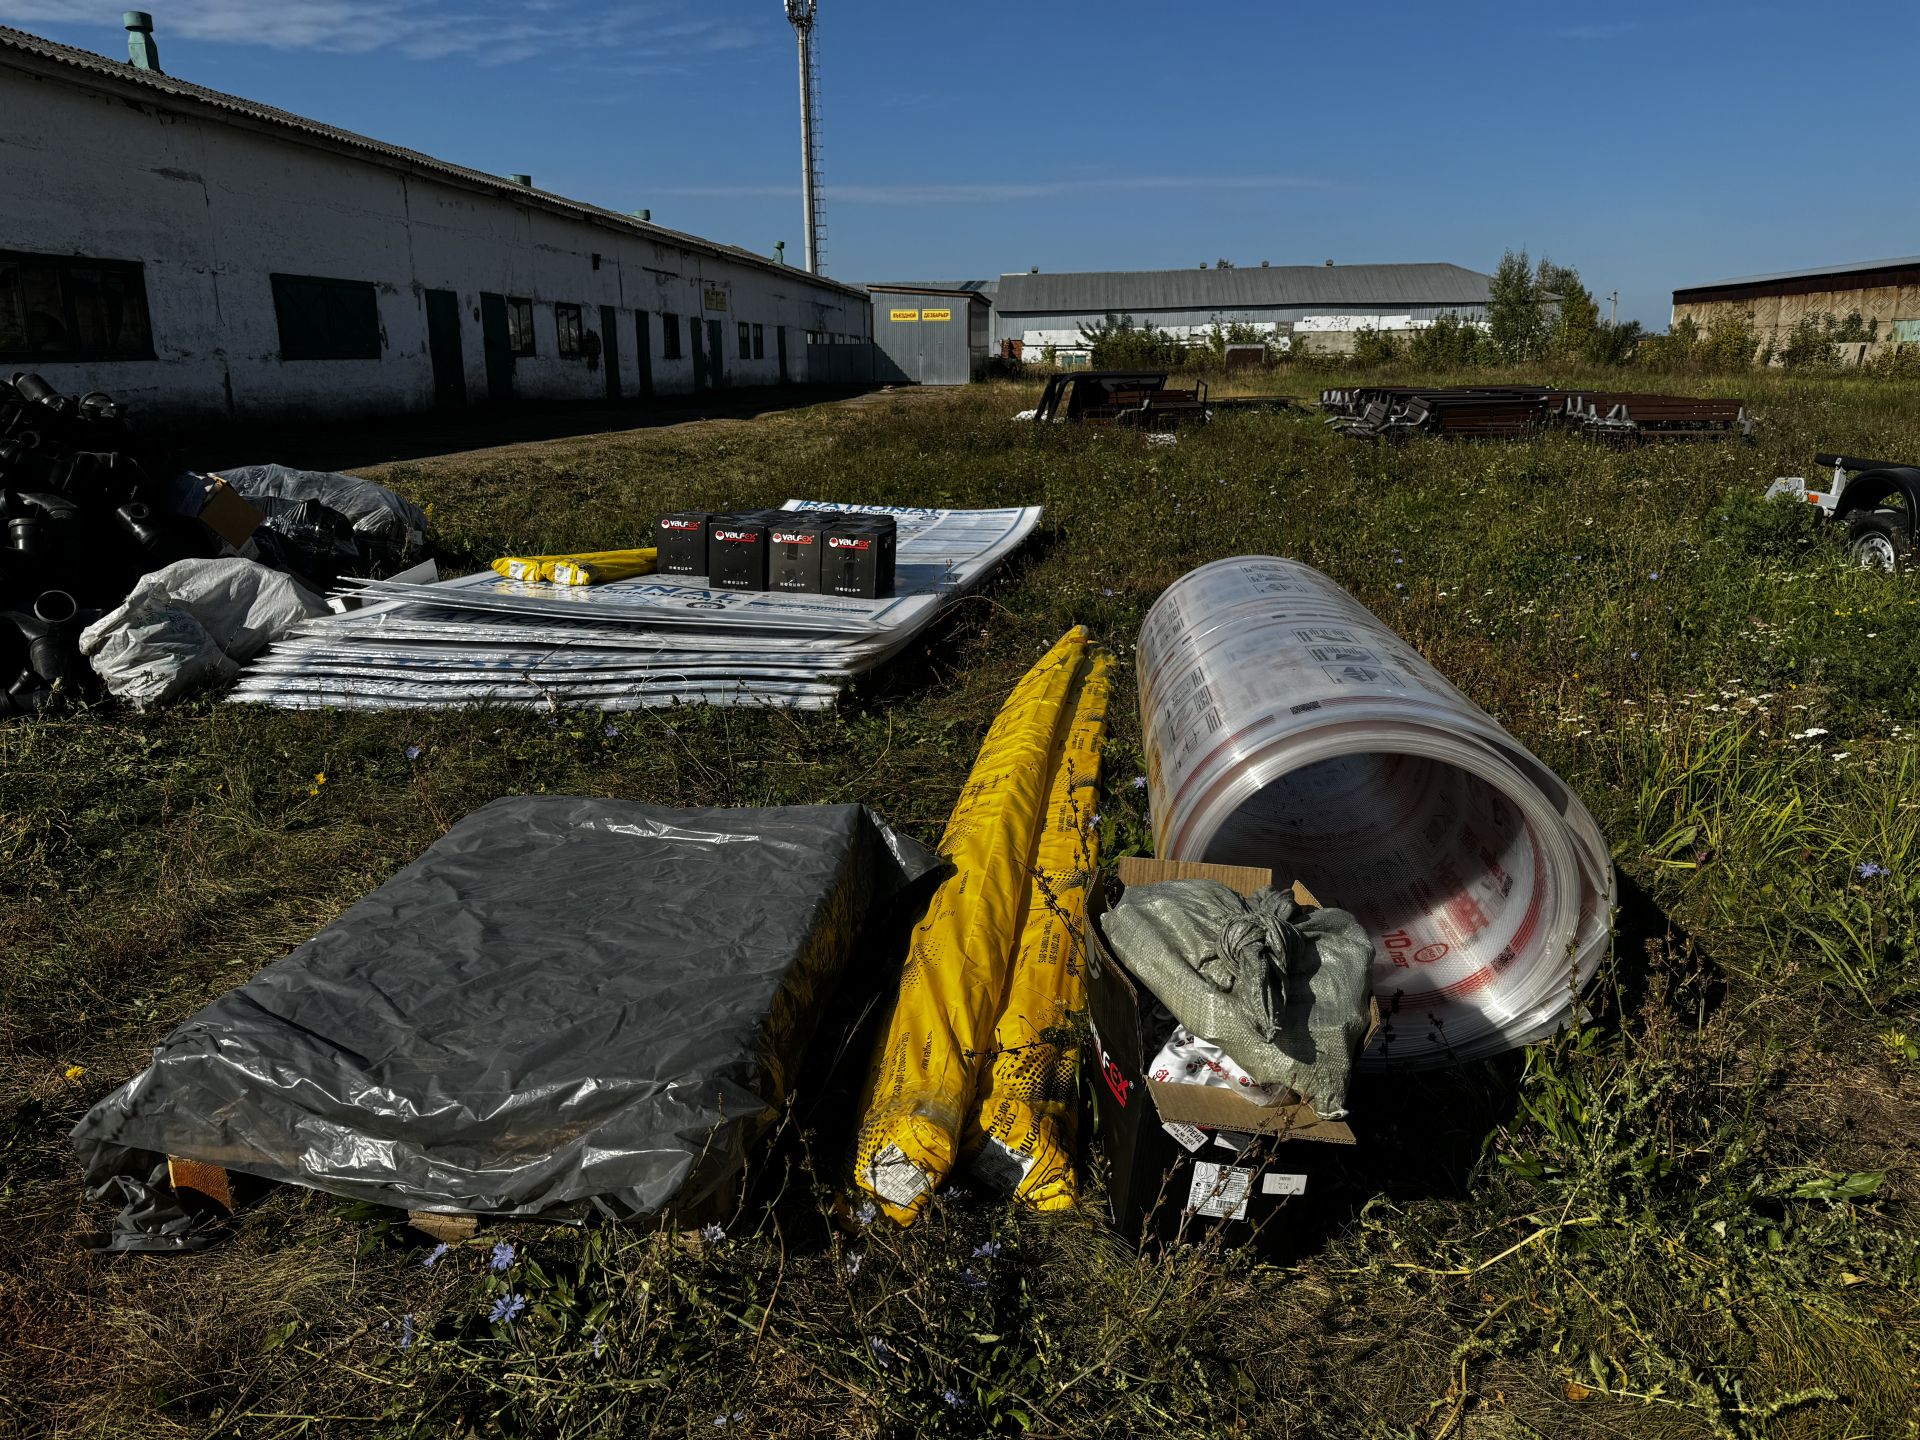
{"x":800,"y":15}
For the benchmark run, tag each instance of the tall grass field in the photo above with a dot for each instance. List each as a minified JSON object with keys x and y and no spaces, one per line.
{"x":1691,"y":1216}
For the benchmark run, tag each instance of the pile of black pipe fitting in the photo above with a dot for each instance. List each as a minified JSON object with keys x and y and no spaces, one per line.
{"x":84,"y":503}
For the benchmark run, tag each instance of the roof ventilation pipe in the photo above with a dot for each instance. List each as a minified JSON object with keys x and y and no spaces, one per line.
{"x":142,"y":52}
{"x":525,"y":181}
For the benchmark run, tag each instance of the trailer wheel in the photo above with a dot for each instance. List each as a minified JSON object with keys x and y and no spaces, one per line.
{"x":1881,"y":540}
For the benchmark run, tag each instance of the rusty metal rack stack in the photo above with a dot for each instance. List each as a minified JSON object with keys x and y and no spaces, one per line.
{"x":1139,"y":400}
{"x":1393,"y":412}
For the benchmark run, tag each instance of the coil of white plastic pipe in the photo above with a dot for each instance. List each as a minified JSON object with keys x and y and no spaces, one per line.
{"x":1286,"y":726}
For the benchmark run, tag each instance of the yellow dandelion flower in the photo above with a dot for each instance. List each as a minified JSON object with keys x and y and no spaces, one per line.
{"x":74,"y":1072}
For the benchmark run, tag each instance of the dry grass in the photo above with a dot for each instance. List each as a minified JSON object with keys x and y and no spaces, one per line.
{"x":1726,"y":1278}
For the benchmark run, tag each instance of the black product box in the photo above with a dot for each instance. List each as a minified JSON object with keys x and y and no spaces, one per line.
{"x":859,"y":557}
{"x":1186,"y":1159}
{"x":737,"y":552}
{"x":794,"y":544}
{"x":681,"y":542}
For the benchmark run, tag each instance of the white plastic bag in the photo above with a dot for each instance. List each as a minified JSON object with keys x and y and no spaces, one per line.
{"x":190,"y":624}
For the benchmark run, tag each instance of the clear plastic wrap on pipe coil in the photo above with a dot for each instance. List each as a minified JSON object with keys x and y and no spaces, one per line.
{"x":1286,"y":726}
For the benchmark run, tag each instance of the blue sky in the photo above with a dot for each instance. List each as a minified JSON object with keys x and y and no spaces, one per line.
{"x":1649,"y":145}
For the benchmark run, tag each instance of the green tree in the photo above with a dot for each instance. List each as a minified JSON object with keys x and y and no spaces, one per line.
{"x":1576,"y":314}
{"x":1373,"y":346}
{"x":1450,"y":342}
{"x":1613,"y":344}
{"x":1516,"y":317}
{"x":1118,"y":343}
{"x":1731,"y":344}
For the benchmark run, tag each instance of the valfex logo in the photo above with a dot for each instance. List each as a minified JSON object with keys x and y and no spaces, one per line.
{"x":847,"y":542}
{"x":1116,"y":1078}
{"x":736,"y":537}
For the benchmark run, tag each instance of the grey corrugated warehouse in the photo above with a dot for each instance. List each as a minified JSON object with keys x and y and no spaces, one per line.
{"x":1318,"y":306}
{"x":930,"y":333}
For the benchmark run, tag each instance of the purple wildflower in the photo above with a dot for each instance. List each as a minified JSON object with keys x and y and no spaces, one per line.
{"x":613,"y":732}
{"x":434,"y":1257}
{"x":881,"y":1350}
{"x":1634,"y":656}
{"x":414,"y":752}
{"x":971,"y":1280}
{"x":990,"y":1250}
{"x":599,"y":1341}
{"x":1139,"y":782}
{"x":866,"y":1212}
{"x":507,"y":1308}
{"x":1870,"y":871}
{"x":1108,"y":592}
{"x":502,"y":1256}
{"x":955,"y":1400}
{"x":1653,"y":574}
{"x":406,"y":1332}
{"x":712,"y":1234}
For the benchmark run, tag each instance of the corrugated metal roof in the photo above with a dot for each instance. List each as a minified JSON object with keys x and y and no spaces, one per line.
{"x":1905,"y":262}
{"x":154,"y":83}
{"x":1242,"y":288}
{"x":983,"y":288}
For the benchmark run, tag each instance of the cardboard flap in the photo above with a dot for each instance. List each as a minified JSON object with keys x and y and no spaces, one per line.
{"x":1241,"y":879}
{"x":1212,"y":1108}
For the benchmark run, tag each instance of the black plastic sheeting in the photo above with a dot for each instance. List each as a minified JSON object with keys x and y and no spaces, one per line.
{"x":564,"y":1007}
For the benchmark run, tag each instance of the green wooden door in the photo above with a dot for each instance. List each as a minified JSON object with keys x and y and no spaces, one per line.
{"x":497,"y":346}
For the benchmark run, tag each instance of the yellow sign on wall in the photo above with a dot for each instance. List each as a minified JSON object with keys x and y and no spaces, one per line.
{"x":936,"y":314}
{"x":903,"y":314}
{"x":715,"y":299}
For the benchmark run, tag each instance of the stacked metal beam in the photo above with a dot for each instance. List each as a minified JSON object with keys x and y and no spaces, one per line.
{"x":1393,"y":412}
{"x":631,"y":644}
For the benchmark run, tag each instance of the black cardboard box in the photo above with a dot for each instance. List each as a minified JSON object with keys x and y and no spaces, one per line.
{"x":794,"y":544}
{"x":858,"y":559}
{"x":1186,"y":1159}
{"x":680,"y":540}
{"x":737,"y":552}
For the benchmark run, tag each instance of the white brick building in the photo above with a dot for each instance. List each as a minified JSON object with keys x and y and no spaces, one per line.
{"x":190,"y":251}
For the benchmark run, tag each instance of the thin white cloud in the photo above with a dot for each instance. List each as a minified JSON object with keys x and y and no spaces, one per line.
{"x":991,"y":192}
{"x":420,"y":29}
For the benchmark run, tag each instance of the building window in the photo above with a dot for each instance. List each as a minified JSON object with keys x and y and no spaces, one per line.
{"x":519,"y":326}
{"x":566,"y":323}
{"x":669,"y":335}
{"x":64,"y":307}
{"x":693,"y":329}
{"x":759,"y":342}
{"x":746,"y":342}
{"x":324,"y":319}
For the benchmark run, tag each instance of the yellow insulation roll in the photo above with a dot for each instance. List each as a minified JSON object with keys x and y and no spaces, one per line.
{"x":524,"y":567}
{"x":1020,"y":1137}
{"x":920,"y":1089}
{"x":600,"y":566}
{"x":588,"y":567}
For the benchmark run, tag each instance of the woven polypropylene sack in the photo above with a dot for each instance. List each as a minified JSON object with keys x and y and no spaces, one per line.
{"x":1280,"y":987}
{"x":927,"y":1067}
{"x":1020,"y":1141}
